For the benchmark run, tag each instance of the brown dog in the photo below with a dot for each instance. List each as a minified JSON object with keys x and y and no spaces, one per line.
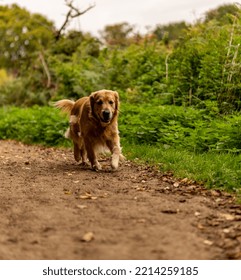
{"x":93,"y":126}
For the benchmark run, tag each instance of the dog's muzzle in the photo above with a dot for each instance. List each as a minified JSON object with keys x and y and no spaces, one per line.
{"x":106,"y":116}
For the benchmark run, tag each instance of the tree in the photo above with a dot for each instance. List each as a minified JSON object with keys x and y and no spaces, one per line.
{"x":205,"y":65}
{"x":117,"y":34}
{"x":170,"y":32}
{"x":222,"y":13}
{"x":23,"y":36}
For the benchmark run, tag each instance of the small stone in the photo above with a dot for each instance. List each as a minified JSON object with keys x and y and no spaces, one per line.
{"x":87,"y":237}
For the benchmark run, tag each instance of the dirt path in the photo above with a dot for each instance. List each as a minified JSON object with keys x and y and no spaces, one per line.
{"x":52,"y":209}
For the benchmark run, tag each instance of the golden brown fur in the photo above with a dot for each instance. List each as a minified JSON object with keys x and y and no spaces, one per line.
{"x":93,"y":126}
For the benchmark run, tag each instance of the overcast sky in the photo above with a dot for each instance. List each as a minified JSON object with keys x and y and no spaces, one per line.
{"x":141,"y":13}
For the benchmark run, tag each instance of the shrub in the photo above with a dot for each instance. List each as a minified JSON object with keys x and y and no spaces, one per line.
{"x":41,"y":125}
{"x":171,"y":126}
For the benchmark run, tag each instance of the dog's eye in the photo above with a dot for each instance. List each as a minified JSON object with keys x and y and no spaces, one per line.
{"x":99,"y":102}
{"x":111,"y":102}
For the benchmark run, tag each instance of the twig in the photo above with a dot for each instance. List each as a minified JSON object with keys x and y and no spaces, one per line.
{"x":72,"y":13}
{"x":166,"y":63}
{"x":46,"y":69}
{"x":229,"y":49}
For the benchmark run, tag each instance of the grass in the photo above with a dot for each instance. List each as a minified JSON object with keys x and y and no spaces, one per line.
{"x":214,"y":170}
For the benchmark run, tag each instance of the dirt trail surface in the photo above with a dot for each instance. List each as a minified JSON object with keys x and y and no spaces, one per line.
{"x":51,"y":208}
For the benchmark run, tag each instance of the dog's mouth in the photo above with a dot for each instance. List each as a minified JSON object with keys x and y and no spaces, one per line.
{"x":106,"y":116}
{"x":105,"y":120}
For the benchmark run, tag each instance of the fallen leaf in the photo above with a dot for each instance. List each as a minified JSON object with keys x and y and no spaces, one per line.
{"x":103,"y":195}
{"x":67,"y":192}
{"x":81,"y":206}
{"x":200,"y":226}
{"x":185,"y":180}
{"x":140,"y":188}
{"x":208,"y":242}
{"x":141,"y":220}
{"x":85,"y":197}
{"x":87,"y":237}
{"x":165,"y":179}
{"x":215,"y":193}
{"x":227,"y":216}
{"x":88,"y":196}
{"x":170,"y":211}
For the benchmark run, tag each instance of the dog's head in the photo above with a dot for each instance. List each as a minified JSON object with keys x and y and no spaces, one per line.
{"x":104,"y":105}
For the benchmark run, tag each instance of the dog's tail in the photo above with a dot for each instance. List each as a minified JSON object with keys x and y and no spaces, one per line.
{"x":65,"y":105}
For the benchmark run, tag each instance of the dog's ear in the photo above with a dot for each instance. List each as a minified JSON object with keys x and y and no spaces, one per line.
{"x":92,"y":102}
{"x":116,"y":101}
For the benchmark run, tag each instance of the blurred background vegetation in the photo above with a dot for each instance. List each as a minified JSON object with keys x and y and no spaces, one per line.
{"x":179,"y":84}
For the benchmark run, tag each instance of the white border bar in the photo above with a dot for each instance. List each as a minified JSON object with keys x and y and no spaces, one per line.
{"x":119,"y":270}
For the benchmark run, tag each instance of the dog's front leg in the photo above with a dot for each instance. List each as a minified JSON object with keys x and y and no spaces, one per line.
{"x":115,"y":157}
{"x":115,"y":149}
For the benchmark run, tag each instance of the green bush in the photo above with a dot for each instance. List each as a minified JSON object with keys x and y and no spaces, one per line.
{"x":161,"y":126}
{"x":172,"y":126}
{"x":24,"y":92}
{"x":36,"y":125}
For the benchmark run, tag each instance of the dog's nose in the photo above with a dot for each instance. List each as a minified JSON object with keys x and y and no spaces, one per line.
{"x":106,"y":115}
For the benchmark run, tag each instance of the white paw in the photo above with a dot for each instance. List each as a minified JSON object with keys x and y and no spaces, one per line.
{"x":115,"y":163}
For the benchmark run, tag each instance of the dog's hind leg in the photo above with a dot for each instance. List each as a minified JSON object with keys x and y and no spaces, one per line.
{"x":92,"y":157}
{"x":76,"y":152}
{"x":83,"y":154}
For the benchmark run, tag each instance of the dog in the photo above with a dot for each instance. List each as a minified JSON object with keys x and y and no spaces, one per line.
{"x":93,"y":126}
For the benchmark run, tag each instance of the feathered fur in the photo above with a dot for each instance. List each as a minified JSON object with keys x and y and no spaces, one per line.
{"x":93,"y":126}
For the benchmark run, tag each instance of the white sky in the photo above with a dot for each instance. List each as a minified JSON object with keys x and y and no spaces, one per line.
{"x":141,"y":13}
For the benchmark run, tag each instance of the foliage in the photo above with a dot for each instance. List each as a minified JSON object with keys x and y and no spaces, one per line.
{"x":163,"y":126}
{"x":205,"y":66}
{"x":4,"y":77}
{"x":22,"y":34}
{"x":69,"y":43}
{"x":222,"y":13}
{"x":117,"y":34}
{"x":202,"y":65}
{"x":137,"y":71}
{"x":170,"y":32}
{"x":35,"y":125}
{"x":168,"y":126}
{"x":25,"y":91}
